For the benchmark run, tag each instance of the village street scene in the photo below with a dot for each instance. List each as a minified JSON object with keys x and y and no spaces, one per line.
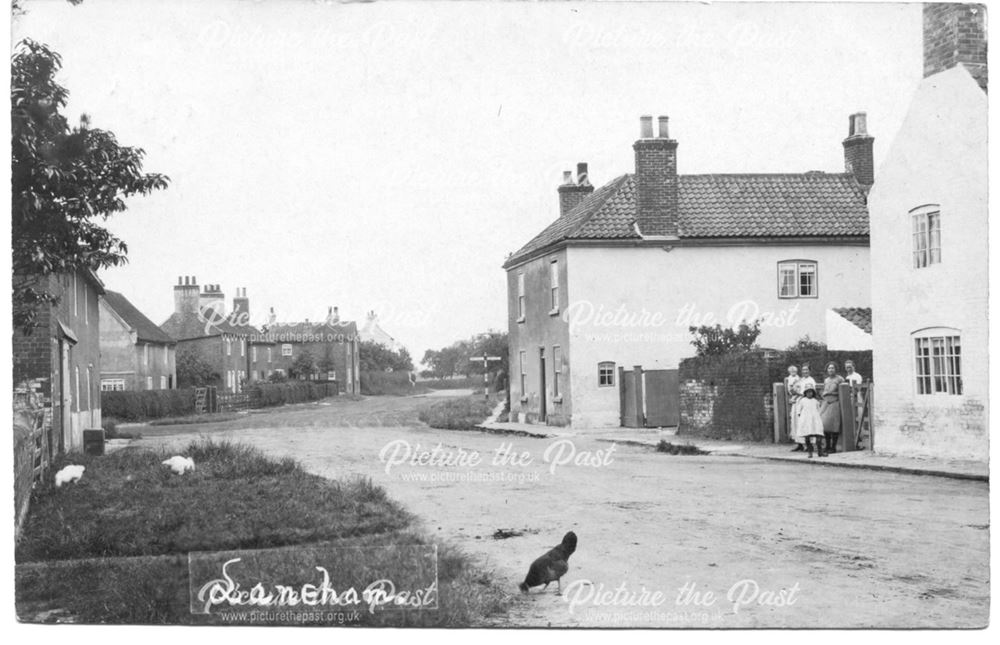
{"x":500,"y":315}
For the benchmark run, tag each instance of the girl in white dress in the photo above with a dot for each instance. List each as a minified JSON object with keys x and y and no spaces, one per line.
{"x":810,"y":423}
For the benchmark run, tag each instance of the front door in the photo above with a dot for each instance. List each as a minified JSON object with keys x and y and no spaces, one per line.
{"x":65,"y":396}
{"x":543,"y":394}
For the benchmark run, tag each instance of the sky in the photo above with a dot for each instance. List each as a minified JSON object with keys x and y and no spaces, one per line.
{"x":387,"y":156}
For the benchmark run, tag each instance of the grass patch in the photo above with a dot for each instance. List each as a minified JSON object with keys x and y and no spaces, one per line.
{"x":128,"y":504}
{"x":679,"y":449}
{"x":217,"y":417}
{"x":121,"y":538}
{"x":457,"y":414}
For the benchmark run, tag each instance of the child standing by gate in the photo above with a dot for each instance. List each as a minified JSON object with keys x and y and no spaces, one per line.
{"x":809,"y":423}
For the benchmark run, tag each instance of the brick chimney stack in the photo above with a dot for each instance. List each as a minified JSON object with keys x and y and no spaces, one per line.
{"x":858,"y":159}
{"x":955,"y":34}
{"x":241,"y":306}
{"x":572,"y":193}
{"x":213,"y":298}
{"x":186,"y":294}
{"x":655,"y":179}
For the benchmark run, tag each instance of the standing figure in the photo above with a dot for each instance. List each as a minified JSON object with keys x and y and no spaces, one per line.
{"x":809,"y":423}
{"x":805,"y":381}
{"x":830,"y":408}
{"x":792,"y":397}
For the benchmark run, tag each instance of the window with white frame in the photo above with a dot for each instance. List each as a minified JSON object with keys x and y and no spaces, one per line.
{"x":163,"y":382}
{"x":606,"y":374}
{"x":253,"y":353}
{"x":554,"y":285}
{"x":243,"y":347}
{"x":926,"y":235}
{"x":556,"y":369}
{"x":797,"y":279}
{"x":145,"y":354}
{"x":938,"y":361}
{"x":149,"y":382}
{"x":286,"y":349}
{"x":520,"y":297}
{"x":229,"y":346}
{"x":112,"y":385}
{"x":166,"y":356}
{"x":522,"y":358}
{"x":269,"y":354}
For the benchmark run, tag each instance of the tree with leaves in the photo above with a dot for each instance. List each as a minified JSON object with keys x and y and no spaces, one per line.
{"x":65,"y":181}
{"x":376,"y":357}
{"x":193,"y":370}
{"x":303,"y":366}
{"x":717,"y":340}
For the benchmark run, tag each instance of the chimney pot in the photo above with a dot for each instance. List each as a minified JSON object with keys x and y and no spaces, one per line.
{"x":582,"y":177}
{"x":858,"y":124}
{"x":645,"y":127}
{"x":567,"y":177}
{"x":663,"y":130}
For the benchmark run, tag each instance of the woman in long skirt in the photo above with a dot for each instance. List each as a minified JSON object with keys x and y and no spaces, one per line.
{"x":829,"y":409}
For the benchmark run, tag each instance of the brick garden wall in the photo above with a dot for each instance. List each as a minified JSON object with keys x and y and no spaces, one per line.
{"x":730,"y":397}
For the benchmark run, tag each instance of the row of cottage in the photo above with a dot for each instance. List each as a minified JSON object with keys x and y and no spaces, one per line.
{"x":95,"y":339}
{"x":893,"y":261}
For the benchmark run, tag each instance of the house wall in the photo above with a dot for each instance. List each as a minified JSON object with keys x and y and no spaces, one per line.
{"x":343,"y":351}
{"x":117,"y":349}
{"x":37,"y":358}
{"x":938,"y":157}
{"x":633,"y":306}
{"x":541,"y":328}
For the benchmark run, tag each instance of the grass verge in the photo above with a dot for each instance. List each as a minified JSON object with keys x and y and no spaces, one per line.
{"x":457,"y":414}
{"x":217,"y":417}
{"x":113,"y":547}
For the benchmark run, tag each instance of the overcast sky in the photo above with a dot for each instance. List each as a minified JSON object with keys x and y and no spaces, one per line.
{"x":388,"y":156}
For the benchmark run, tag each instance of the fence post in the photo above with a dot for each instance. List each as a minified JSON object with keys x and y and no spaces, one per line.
{"x":871,"y":416}
{"x":780,"y":413}
{"x":621,"y":396}
{"x":640,"y":409}
{"x":848,"y":409}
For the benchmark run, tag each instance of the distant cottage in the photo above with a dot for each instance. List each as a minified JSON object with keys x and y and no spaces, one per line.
{"x":135,"y":353}
{"x":615,"y":281}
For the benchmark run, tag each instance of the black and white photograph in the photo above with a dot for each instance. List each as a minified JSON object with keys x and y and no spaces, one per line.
{"x":498,"y":315}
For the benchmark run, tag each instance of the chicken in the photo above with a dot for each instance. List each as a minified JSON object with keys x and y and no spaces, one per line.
{"x":551,"y":566}
{"x":180,"y":465}
{"x":69,"y":474}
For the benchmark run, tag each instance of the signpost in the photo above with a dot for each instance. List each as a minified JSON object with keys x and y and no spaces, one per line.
{"x":486,"y":360}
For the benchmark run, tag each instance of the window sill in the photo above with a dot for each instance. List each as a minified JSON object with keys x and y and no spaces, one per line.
{"x":554,"y":312}
{"x":521,"y":319}
{"x":557,"y":399}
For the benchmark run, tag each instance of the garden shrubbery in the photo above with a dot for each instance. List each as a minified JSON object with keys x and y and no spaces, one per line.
{"x":265,"y":395}
{"x":148,"y":404}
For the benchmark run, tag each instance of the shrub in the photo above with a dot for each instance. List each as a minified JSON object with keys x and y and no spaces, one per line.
{"x":148,"y":404}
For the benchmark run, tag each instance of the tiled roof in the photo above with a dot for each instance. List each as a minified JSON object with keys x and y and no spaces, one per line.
{"x":713,"y":206}
{"x":859,"y":316}
{"x":347,"y":329}
{"x":145,"y":328}
{"x":190,"y":325}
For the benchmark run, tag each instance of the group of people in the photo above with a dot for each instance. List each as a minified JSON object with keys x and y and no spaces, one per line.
{"x":814,"y":414}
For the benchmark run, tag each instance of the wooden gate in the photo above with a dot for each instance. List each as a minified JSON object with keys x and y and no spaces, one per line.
{"x":649,"y":398}
{"x":856,"y":432}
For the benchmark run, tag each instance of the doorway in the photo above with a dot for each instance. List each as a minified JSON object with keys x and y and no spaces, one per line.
{"x":543,"y":397}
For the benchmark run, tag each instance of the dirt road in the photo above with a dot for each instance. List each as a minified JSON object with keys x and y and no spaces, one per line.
{"x":664,"y":541}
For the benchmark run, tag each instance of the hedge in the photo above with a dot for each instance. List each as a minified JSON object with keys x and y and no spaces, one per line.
{"x":147,"y":404}
{"x":265,"y":395}
{"x":375,"y":383}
